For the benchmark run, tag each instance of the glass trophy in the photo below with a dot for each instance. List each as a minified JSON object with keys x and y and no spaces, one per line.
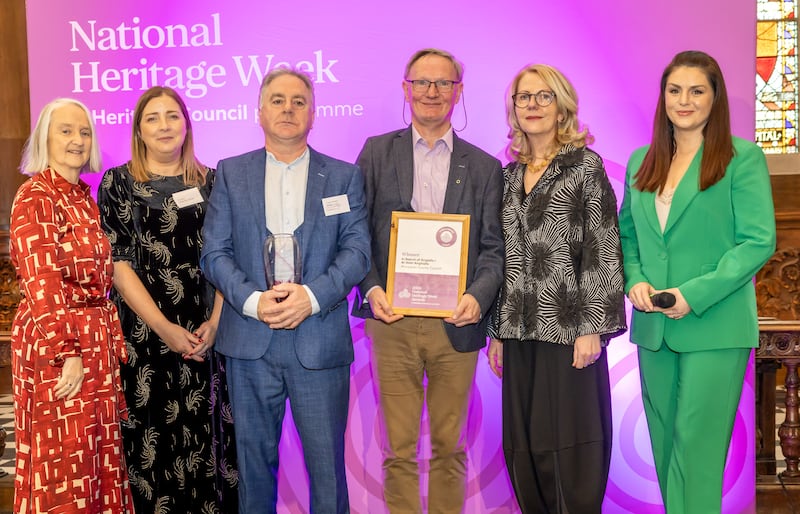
{"x":282,"y":260}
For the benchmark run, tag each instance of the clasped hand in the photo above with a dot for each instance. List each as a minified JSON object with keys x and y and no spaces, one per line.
{"x":190,"y":345}
{"x":640,"y":294}
{"x":284,"y":306}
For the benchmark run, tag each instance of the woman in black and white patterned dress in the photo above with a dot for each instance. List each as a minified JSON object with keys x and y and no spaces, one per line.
{"x":179,"y":443}
{"x":562,"y":300}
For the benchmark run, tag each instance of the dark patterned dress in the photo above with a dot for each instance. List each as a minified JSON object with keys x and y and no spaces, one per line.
{"x":69,"y":452}
{"x":563,"y":280}
{"x":179,"y":442}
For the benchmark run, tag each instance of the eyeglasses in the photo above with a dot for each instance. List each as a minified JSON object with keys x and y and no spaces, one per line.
{"x":422,"y":85}
{"x":543,"y":98}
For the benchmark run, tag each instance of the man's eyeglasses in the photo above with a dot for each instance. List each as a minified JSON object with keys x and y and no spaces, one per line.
{"x":542,"y":98}
{"x":422,"y":85}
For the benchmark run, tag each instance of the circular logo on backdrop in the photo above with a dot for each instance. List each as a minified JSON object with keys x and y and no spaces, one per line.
{"x":446,"y":236}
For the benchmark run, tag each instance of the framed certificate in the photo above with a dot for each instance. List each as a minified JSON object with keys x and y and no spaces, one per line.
{"x":427,"y":263}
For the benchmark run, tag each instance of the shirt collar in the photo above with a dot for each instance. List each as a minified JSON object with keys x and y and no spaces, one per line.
{"x":447,"y":138}
{"x":64,"y":185}
{"x":302,"y":159}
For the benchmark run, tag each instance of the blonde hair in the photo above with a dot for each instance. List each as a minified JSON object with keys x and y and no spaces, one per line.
{"x":192,"y":170}
{"x":35,"y":156}
{"x":569,"y":130}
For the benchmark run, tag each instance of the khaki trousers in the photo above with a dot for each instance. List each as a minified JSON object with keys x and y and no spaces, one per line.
{"x":404,"y":353}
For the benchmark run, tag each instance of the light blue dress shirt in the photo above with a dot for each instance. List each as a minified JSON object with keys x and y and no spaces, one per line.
{"x":285,"y":195}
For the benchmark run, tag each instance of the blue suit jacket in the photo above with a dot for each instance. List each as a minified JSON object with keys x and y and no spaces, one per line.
{"x":474,"y":187}
{"x":335,"y":252}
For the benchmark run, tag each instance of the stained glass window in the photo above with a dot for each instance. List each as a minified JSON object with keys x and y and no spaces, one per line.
{"x":776,"y":76}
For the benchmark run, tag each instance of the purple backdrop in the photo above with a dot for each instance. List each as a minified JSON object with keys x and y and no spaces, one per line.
{"x":106,"y":53}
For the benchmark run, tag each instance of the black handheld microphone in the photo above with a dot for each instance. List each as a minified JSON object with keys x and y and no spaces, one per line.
{"x":664,"y":300}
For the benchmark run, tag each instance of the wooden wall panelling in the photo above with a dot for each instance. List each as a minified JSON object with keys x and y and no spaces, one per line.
{"x":14,"y":129}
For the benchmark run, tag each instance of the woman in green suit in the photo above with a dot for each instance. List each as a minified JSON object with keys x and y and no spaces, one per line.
{"x":697,"y":221}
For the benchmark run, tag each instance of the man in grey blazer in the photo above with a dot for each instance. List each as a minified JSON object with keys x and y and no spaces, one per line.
{"x":292,"y":340}
{"x":427,"y":168}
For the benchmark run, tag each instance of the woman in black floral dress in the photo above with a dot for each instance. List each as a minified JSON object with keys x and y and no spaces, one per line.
{"x":179,"y":444}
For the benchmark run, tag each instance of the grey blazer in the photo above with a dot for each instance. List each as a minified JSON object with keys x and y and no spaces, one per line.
{"x":474,"y":187}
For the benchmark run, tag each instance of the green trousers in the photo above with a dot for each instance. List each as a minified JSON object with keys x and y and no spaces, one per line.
{"x":690,"y":400}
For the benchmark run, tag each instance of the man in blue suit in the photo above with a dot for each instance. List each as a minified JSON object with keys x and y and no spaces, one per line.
{"x":292,"y":341}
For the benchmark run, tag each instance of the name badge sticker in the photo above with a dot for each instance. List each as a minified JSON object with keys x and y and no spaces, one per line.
{"x":187,"y":197}
{"x":335,"y":205}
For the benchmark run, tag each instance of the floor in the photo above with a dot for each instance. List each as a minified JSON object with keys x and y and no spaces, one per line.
{"x":770,"y":499}
{"x":7,"y":459}
{"x":778,"y":498}
{"x":7,"y":422}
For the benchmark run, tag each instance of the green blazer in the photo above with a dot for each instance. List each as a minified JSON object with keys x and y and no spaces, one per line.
{"x":713,"y":244}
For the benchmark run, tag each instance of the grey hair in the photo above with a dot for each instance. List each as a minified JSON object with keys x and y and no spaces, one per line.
{"x":35,"y":156}
{"x":419,"y":54}
{"x":280,"y":72}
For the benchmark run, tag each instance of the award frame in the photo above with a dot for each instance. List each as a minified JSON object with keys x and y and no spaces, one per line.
{"x":422,"y":279}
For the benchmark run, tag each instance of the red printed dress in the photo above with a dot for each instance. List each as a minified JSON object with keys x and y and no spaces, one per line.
{"x":69,"y":452}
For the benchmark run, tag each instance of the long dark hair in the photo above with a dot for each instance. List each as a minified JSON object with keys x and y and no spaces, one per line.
{"x":718,"y":146}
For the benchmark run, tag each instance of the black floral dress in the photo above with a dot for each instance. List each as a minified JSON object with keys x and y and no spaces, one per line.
{"x":179,"y":442}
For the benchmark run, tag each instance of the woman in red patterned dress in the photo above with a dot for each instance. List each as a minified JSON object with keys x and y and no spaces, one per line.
{"x":66,"y":339}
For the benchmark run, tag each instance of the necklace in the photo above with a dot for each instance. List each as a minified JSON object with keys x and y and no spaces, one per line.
{"x":665,"y":197}
{"x":534,"y":169}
